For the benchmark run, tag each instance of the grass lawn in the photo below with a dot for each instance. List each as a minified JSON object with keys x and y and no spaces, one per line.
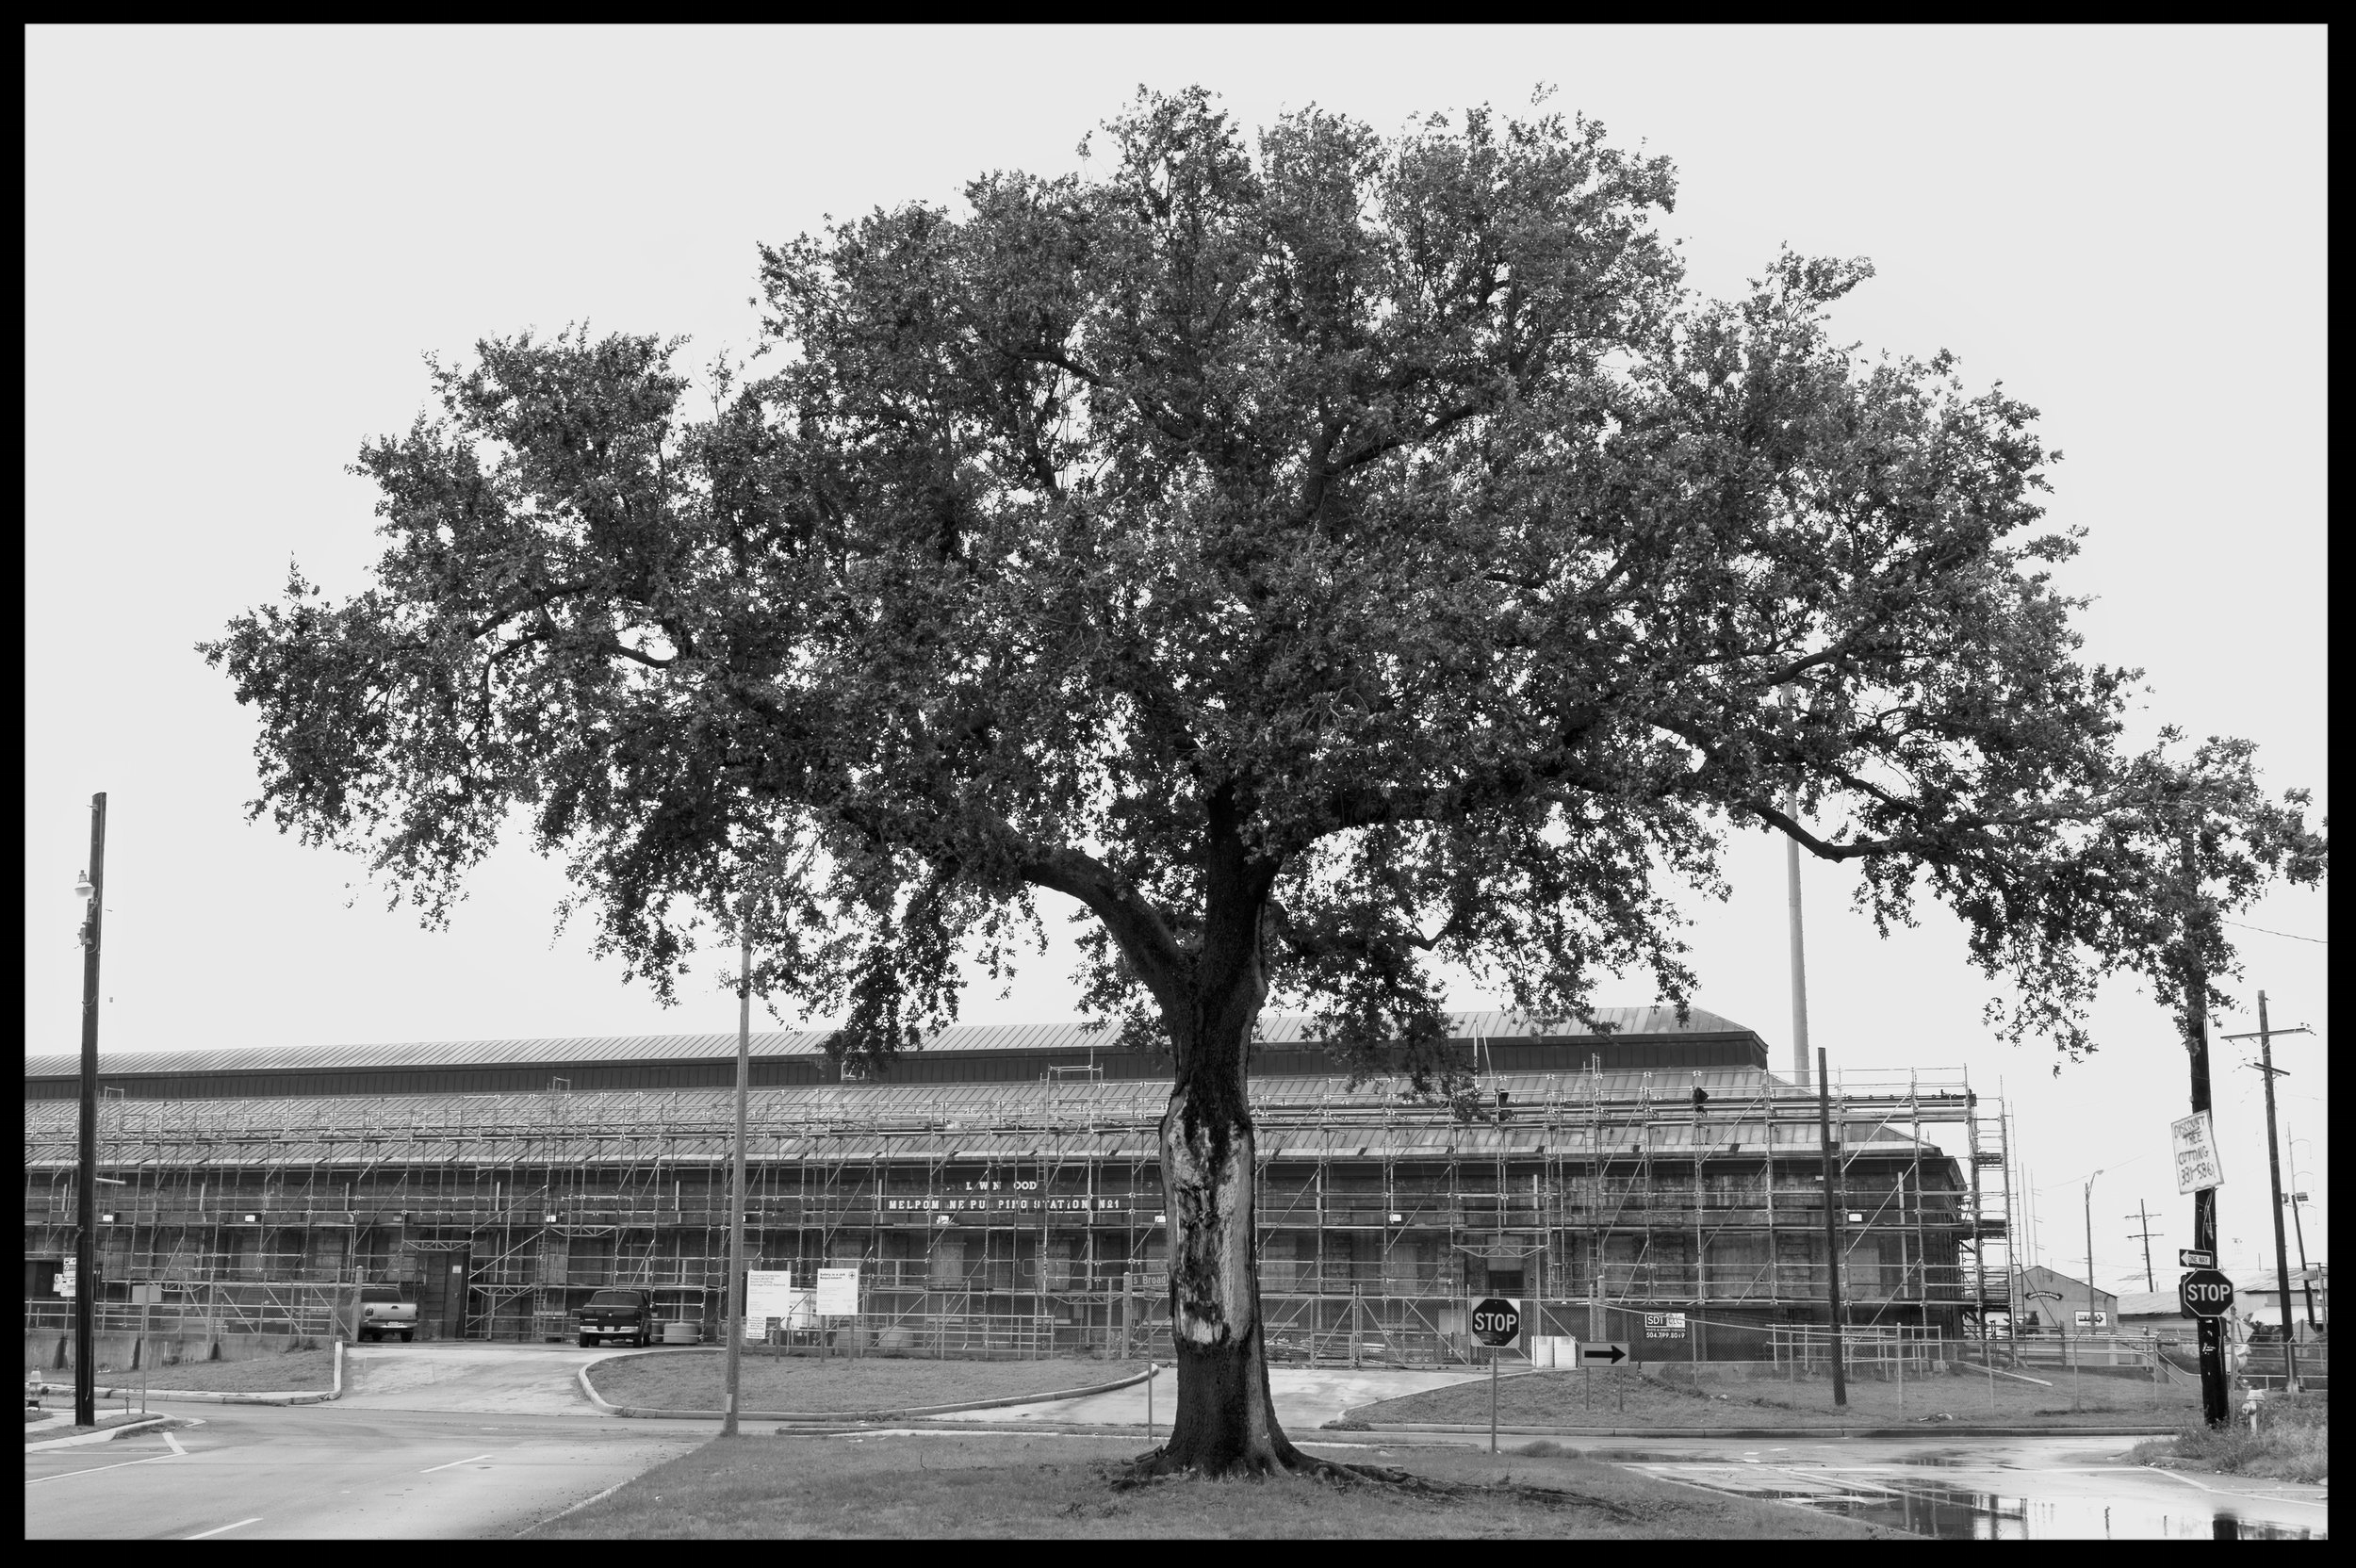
{"x":297,"y":1371}
{"x":1030,"y":1486}
{"x":2293,"y":1443}
{"x":691,"y":1380}
{"x":1619,"y":1399}
{"x":106,"y":1419}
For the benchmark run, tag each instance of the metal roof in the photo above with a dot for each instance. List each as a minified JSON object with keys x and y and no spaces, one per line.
{"x":1275,"y":1029}
{"x":1298,"y":1117}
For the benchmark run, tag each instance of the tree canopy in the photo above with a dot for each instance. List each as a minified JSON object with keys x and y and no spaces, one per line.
{"x":1381,"y":514}
{"x":1318,"y":556}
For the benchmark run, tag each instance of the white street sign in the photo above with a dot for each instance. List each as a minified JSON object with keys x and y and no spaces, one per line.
{"x":2196,"y":1166}
{"x":838,"y":1293}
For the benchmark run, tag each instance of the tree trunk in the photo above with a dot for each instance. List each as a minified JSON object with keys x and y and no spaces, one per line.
{"x":1226,"y":1423}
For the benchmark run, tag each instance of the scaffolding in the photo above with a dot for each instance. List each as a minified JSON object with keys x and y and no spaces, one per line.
{"x":1026,"y":1218}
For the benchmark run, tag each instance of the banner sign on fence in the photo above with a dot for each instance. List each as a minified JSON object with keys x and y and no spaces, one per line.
{"x":1664,"y":1325}
{"x":2196,"y":1166}
{"x":838,"y":1293}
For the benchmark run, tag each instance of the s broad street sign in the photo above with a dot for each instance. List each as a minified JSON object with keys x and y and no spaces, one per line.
{"x":2195,"y":1142}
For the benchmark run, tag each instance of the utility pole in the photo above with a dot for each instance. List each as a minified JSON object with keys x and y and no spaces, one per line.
{"x":2274,"y":1173}
{"x":2214,"y":1400}
{"x":734,"y":1328}
{"x":1832,"y":1227}
{"x":85,"y":1183}
{"x":2146,"y":1234}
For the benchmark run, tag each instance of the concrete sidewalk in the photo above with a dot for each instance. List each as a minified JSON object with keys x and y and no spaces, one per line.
{"x":1306,"y":1398}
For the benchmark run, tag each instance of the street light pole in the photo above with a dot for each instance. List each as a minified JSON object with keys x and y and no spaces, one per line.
{"x":2093,"y":1315}
{"x":734,"y":1327}
{"x":86,"y":1185}
{"x":1832,"y":1225}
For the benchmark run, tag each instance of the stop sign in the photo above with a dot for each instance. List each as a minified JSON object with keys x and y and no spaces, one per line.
{"x":1497,"y":1321}
{"x":2205,"y":1292}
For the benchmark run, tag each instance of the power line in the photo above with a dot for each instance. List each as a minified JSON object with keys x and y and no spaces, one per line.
{"x":2319,"y":942}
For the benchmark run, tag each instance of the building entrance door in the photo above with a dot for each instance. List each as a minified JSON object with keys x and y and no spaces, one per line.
{"x":442,"y":1292}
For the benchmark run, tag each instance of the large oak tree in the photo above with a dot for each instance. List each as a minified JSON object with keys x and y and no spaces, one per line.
{"x":1319,"y":557}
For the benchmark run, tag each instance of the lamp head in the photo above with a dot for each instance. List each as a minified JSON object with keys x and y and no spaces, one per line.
{"x":82,"y":888}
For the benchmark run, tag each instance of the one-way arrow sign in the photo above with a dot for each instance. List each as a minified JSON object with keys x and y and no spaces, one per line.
{"x":1602,"y":1353}
{"x":2194,"y":1257}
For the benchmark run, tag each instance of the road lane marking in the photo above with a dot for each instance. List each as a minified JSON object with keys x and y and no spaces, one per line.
{"x":454,"y":1465}
{"x":175,"y":1445}
{"x":2228,"y":1492}
{"x":68,"y":1475}
{"x":217,"y":1530}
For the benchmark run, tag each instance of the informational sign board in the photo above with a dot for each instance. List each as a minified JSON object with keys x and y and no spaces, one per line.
{"x":1496,"y":1321}
{"x":1595,"y":1352}
{"x":2195,"y":1257}
{"x":2092,"y":1319}
{"x":2194,"y":1142}
{"x":769,"y":1293}
{"x":2205,"y":1293}
{"x":65,"y":1279}
{"x":1664,"y":1325}
{"x":147,"y":1293}
{"x":838,"y":1293}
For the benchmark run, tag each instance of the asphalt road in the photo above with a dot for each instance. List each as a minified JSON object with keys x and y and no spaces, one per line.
{"x":337,"y":1471}
{"x":478,"y":1440}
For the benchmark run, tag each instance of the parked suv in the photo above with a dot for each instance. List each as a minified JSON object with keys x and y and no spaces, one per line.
{"x":382,"y":1311}
{"x":624,"y":1314}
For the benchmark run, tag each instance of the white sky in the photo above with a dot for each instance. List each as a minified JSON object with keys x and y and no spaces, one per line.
{"x":239,"y":242}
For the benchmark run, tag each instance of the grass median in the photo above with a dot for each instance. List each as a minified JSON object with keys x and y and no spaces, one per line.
{"x":1676,"y":1396}
{"x":2292,"y":1442}
{"x":1032,"y":1486}
{"x":692,"y":1379}
{"x":294,"y":1372}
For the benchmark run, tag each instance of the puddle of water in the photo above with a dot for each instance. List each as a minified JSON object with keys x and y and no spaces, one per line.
{"x":1957,"y":1513}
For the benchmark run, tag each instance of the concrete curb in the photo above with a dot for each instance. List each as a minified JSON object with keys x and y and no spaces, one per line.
{"x":232,"y":1397}
{"x":108,"y":1434}
{"x":837,"y":1417}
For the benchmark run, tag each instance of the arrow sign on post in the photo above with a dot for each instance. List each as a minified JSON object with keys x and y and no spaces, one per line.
{"x":1602,"y":1353}
{"x":2194,"y":1257}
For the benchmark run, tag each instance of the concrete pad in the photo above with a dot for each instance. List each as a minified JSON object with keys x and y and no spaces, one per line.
{"x":446,"y":1374}
{"x":1306,"y":1398}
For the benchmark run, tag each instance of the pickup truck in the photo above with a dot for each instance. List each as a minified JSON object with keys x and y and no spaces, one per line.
{"x":623,"y":1315}
{"x":382,"y":1311}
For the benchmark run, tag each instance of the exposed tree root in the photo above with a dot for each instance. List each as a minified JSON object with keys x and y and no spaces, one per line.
{"x":1155,"y":1467}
